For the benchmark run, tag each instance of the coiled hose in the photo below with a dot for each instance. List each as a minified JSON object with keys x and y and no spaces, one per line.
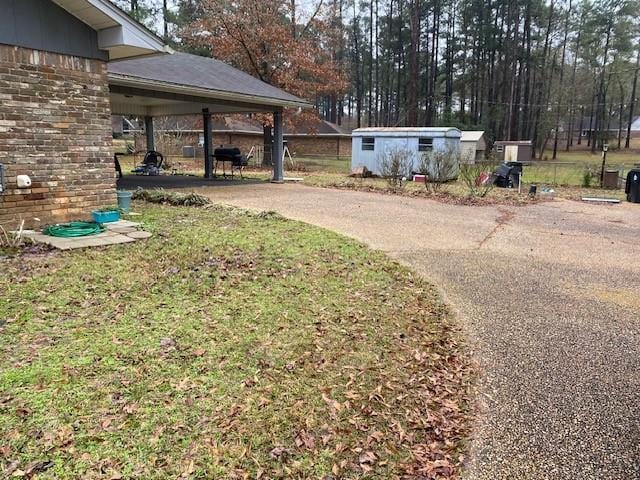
{"x":73,"y":229}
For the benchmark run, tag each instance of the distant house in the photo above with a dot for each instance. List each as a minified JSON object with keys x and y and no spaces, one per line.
{"x":473,"y":146}
{"x":513,"y":150}
{"x":370,"y":145}
{"x":635,"y":126}
{"x":304,"y":137}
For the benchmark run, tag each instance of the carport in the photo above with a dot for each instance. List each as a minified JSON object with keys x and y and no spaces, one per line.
{"x":184,"y":84}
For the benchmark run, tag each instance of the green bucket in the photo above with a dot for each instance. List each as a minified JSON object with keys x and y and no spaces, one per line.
{"x":124,"y":200}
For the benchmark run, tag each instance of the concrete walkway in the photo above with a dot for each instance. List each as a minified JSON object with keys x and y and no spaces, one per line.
{"x":550,"y":295}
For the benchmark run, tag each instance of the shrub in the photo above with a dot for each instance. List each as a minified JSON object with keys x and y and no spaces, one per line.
{"x":12,"y":239}
{"x":472,"y":175}
{"x":587,"y":177}
{"x":171,"y":198}
{"x":395,"y":166}
{"x":439,"y":166}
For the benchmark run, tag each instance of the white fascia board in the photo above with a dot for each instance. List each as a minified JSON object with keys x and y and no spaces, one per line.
{"x":122,"y":30}
{"x":121,"y":36}
{"x":132,"y":29}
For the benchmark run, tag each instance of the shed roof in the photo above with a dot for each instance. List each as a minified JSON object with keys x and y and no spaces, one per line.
{"x":471,"y":135}
{"x":199,"y":76}
{"x":407,"y":132}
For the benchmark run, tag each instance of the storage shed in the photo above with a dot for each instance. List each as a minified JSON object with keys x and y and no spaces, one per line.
{"x":513,"y":150}
{"x":473,"y":146}
{"x":370,"y":145}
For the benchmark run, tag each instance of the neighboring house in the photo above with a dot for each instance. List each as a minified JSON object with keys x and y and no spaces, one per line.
{"x":513,"y":150}
{"x":370,"y":146}
{"x":67,"y":66}
{"x":308,"y":137}
{"x":473,"y":146}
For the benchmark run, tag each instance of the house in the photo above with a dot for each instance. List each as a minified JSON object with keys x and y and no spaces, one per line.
{"x":513,"y":150}
{"x":308,"y":136}
{"x":473,"y":146}
{"x":66,"y":66}
{"x":369,"y":146}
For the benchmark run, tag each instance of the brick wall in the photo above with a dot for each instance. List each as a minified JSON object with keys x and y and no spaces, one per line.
{"x":307,"y":145}
{"x":55,"y":126}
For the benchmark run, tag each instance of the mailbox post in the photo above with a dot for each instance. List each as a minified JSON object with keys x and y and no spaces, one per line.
{"x":605,"y":147}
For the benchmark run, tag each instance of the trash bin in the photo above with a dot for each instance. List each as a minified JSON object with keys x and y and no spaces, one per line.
{"x":632,"y":187}
{"x":610,"y":179}
{"x":124,"y":200}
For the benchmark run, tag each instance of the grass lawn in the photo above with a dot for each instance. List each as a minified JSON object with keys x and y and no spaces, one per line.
{"x":229,"y":345}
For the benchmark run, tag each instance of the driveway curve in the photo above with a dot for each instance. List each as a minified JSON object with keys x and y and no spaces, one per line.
{"x":550,"y":297}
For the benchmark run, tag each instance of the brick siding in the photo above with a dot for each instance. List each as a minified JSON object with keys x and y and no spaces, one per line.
{"x":298,"y":145}
{"x":55,"y":126}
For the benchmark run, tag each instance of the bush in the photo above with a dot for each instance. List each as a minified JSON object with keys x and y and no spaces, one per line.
{"x":171,"y":198}
{"x":439,"y":166}
{"x":14,"y":238}
{"x":587,"y":178}
{"x":395,"y":166}
{"x":472,"y":175}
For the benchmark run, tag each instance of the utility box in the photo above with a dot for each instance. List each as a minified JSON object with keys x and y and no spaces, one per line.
{"x":632,"y":187}
{"x":610,"y":179}
{"x":188,"y":151}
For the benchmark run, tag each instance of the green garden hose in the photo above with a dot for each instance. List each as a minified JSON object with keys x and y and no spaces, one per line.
{"x":73,"y":229}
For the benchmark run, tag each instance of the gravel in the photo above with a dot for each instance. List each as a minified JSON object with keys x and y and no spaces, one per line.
{"x":550,"y":297}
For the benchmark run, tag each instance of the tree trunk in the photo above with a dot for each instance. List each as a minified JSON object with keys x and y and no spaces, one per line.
{"x":412,"y":87}
{"x":540,"y":87}
{"x":560,"y":89}
{"x":370,"y":99}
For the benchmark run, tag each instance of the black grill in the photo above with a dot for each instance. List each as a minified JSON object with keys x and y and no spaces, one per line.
{"x":230,"y":154}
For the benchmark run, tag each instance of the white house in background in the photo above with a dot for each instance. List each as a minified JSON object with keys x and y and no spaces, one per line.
{"x":635,"y":126}
{"x":473,"y":146}
{"x":370,"y":145}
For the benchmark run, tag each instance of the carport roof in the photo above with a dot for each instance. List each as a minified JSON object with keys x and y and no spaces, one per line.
{"x":195,"y":76}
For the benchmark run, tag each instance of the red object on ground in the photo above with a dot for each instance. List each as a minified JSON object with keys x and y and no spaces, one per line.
{"x":482,"y":178}
{"x":420,"y":178}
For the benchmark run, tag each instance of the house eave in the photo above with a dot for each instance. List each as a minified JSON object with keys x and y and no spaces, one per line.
{"x":118,"y":33}
{"x":205,"y":93}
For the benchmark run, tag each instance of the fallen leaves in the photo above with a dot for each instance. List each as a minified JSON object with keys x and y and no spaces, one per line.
{"x":317,"y":360}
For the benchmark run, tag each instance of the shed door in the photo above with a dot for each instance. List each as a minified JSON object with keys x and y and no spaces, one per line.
{"x":511,"y":153}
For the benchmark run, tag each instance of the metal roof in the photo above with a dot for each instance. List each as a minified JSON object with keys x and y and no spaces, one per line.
{"x":198,"y":76}
{"x":471,"y":135}
{"x":407,"y":132}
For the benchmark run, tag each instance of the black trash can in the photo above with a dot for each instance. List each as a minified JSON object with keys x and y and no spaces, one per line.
{"x":632,"y":187}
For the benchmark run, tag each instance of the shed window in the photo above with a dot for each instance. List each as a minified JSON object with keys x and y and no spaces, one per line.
{"x":425,"y":144}
{"x":499,"y":148}
{"x":368,"y":143}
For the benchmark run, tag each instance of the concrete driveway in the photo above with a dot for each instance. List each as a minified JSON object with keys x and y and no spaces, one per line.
{"x":550,"y":296}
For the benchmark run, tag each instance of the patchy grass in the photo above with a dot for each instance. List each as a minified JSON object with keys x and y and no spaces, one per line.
{"x":229,"y":345}
{"x":453,"y":192}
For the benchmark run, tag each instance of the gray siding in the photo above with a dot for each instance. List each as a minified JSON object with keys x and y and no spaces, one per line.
{"x":43,"y":25}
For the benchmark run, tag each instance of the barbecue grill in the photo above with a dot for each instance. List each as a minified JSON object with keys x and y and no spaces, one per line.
{"x":231,"y":155}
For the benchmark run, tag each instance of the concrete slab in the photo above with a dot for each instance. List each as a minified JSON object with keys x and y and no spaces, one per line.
{"x":121,"y":224}
{"x":139,"y":234}
{"x":122,"y":231}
